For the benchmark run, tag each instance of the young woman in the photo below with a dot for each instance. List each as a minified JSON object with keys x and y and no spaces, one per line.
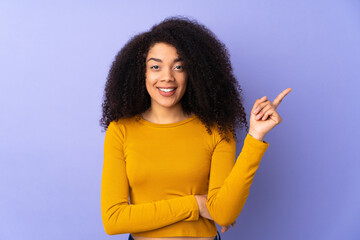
{"x":170,"y":111}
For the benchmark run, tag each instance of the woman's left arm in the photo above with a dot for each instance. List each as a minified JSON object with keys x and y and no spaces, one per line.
{"x":229,"y":184}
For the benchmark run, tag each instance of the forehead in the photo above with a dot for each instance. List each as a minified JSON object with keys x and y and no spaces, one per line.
{"x":163,"y":51}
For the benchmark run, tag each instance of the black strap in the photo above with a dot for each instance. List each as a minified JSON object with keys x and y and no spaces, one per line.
{"x":219,"y":235}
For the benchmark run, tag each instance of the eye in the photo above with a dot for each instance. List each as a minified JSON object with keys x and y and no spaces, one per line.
{"x":154,"y":67}
{"x":181,"y":67}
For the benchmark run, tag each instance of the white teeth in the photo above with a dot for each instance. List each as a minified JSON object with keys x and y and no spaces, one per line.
{"x":166,"y":89}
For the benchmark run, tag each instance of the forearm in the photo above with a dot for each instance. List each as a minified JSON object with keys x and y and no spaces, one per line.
{"x":120,"y":218}
{"x":226,"y":203}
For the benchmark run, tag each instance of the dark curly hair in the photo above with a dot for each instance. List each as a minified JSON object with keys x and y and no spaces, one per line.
{"x":212,"y":91}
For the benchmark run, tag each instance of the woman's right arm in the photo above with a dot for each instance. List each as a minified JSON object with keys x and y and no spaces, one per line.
{"x":117,"y":215}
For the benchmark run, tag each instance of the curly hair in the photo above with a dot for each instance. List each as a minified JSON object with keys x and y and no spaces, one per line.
{"x":212,"y":92}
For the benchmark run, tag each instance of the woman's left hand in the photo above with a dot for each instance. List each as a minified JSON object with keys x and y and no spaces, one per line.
{"x":224,"y":229}
{"x":264,"y":117}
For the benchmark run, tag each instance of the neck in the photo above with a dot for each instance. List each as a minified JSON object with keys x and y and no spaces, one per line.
{"x":163,"y":115}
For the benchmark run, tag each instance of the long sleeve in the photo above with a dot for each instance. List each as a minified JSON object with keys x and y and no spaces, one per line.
{"x":117,"y":215}
{"x":230,"y":182}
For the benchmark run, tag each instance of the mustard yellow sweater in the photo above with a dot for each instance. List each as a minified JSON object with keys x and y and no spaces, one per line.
{"x":159,"y":168}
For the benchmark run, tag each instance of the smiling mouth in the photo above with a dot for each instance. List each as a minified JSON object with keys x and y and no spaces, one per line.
{"x":167,"y":89}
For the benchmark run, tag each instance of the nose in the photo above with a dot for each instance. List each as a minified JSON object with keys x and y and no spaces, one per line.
{"x":167,"y":75}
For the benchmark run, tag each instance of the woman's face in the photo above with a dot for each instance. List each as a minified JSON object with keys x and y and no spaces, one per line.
{"x":166,"y":77}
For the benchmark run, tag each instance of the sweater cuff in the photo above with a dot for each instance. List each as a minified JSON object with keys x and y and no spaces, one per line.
{"x":255,"y":142}
{"x":194,"y":208}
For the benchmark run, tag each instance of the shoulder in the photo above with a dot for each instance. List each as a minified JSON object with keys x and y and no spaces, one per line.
{"x":124,"y":121}
{"x":213,"y":136}
{"x":120,"y":126}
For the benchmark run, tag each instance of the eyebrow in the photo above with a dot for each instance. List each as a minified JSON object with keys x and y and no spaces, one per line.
{"x":159,"y":60}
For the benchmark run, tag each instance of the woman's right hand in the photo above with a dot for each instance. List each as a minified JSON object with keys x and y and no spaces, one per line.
{"x":204,"y":212}
{"x":201,"y":201}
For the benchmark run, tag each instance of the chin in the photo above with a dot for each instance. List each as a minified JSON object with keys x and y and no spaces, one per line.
{"x":167,"y":105}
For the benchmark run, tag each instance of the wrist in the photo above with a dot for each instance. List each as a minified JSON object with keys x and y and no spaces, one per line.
{"x":198,"y":202}
{"x":256,"y":135}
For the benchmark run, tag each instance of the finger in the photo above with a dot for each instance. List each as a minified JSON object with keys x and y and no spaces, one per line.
{"x":267,"y":114}
{"x":258,"y":101}
{"x":263,"y":111}
{"x":261,"y":106}
{"x":280,"y":97}
{"x":274,"y":116}
{"x":224,"y":229}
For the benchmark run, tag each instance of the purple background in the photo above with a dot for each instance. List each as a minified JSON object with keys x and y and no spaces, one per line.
{"x":54,"y":59}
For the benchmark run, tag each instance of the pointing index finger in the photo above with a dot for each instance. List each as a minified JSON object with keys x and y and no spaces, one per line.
{"x":280,"y":97}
